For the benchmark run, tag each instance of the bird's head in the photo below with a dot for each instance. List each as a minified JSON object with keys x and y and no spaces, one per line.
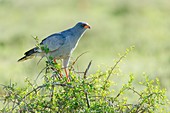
{"x":83,"y":25}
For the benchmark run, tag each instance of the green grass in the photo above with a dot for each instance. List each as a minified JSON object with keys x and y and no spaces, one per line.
{"x":116,"y":25}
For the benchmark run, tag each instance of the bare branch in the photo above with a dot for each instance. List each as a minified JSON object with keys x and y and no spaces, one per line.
{"x":88,"y":67}
{"x":76,"y":60}
{"x":85,"y":92}
{"x":87,"y":99}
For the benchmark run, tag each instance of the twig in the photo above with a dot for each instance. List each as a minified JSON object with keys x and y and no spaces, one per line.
{"x":119,"y":93}
{"x":140,"y":104}
{"x":94,"y":78}
{"x":76,"y":60}
{"x":40,"y":73}
{"x":78,"y":72}
{"x":87,"y":99}
{"x":135,"y":91}
{"x":110,"y":72}
{"x":40,"y":60}
{"x":85,"y":92}
{"x":52,"y":92}
{"x":88,"y":67}
{"x":112,"y":68}
{"x":123,"y":91}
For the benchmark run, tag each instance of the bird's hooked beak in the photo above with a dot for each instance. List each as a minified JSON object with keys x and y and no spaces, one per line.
{"x":87,"y":26}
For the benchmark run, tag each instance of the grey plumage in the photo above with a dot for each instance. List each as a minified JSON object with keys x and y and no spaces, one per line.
{"x":60,"y":45}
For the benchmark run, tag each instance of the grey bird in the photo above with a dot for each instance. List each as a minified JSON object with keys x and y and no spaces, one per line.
{"x":60,"y":45}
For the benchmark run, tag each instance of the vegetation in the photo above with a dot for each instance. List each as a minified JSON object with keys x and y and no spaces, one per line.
{"x":116,"y":24}
{"x":85,"y":93}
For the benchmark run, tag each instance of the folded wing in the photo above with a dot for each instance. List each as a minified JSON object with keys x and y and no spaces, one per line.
{"x":54,"y":41}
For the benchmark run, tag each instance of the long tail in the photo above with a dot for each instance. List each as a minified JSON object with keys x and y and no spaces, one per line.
{"x":29,"y":54}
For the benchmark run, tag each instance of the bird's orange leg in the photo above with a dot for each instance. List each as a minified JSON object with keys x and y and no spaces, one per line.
{"x":67,"y":76}
{"x":54,"y":60}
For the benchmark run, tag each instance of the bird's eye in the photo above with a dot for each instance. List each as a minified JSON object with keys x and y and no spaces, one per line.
{"x":83,"y":25}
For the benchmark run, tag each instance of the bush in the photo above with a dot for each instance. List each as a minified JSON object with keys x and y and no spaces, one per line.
{"x":87,"y":93}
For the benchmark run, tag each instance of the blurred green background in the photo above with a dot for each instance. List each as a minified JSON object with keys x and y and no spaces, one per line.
{"x":116,"y":25}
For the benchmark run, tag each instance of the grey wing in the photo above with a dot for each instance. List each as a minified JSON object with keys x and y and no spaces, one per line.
{"x":54,"y":41}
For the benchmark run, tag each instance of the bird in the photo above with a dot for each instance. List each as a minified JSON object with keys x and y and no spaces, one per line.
{"x":60,"y":45}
